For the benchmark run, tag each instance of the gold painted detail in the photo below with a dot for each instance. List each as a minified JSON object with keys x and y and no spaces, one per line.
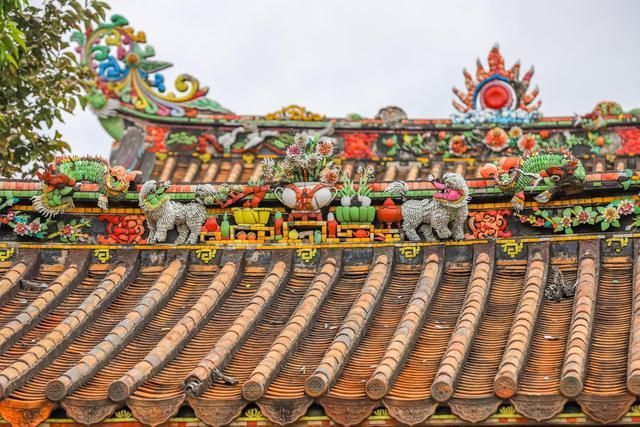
{"x":622,"y":242}
{"x":508,"y":410}
{"x":248,"y":158}
{"x":254,"y":414}
{"x":5,"y":254}
{"x":409,"y":252}
{"x":380,"y":413}
{"x":123,"y":414}
{"x":295,"y":112}
{"x":512,"y":248}
{"x":306,"y":254}
{"x":206,"y":255}
{"x":102,"y":255}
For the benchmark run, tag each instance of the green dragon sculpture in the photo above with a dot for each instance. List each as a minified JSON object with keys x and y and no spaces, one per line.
{"x":558,"y":169}
{"x":60,"y":177}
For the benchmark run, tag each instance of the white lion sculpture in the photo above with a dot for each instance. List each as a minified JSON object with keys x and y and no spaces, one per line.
{"x":163,"y":214}
{"x":448,"y":207}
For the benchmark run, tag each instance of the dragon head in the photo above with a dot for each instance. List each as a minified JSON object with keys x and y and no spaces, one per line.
{"x":153,"y":194}
{"x":505,"y":173}
{"x":118,"y":179}
{"x":454,"y":191}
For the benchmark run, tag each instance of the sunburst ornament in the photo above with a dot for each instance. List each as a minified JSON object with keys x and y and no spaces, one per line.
{"x":497,"y":94}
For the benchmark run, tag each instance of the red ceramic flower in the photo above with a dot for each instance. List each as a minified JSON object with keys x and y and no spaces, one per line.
{"x":527,"y":142}
{"x":457,"y":145}
{"x":496,"y":139}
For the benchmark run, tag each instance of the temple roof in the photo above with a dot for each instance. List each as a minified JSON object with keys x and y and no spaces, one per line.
{"x":322,"y":308}
{"x":457,"y":326}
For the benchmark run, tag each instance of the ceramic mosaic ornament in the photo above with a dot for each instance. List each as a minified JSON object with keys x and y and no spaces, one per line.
{"x":497,"y":95}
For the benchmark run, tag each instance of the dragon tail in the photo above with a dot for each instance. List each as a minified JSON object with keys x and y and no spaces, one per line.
{"x":518,"y":201}
{"x":41,"y":204}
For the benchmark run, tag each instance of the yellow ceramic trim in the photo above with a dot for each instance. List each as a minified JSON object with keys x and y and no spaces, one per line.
{"x":228,"y":244}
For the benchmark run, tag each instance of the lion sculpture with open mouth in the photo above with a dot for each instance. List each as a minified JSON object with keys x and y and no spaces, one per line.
{"x":445,"y":213}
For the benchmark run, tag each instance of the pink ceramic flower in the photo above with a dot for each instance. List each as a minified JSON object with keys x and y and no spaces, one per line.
{"x":625,"y":207}
{"x":294,"y":150}
{"x":583,"y":217}
{"x":21,"y":229}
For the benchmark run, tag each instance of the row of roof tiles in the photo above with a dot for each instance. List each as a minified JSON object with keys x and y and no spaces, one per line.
{"x":464,"y":330}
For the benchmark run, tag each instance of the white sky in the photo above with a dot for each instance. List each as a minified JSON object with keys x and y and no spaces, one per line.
{"x":337,"y":57}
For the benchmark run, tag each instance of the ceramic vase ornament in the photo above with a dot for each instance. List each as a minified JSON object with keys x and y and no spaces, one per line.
{"x":305,"y":196}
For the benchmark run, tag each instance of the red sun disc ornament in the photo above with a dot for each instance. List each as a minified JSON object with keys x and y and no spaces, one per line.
{"x":496,"y":95}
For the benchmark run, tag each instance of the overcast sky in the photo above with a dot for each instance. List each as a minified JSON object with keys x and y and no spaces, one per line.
{"x":339,"y":57}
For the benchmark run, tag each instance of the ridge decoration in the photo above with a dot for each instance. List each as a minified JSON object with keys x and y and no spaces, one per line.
{"x":559,"y":170}
{"x":60,"y":177}
{"x":122,"y":68}
{"x":497,"y":94}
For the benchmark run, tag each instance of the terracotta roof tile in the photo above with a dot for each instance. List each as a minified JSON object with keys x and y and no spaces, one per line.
{"x":22,"y":269}
{"x":121,"y":334}
{"x":462,"y":337}
{"x":506,"y":380}
{"x":209,"y":367}
{"x":44,"y":302}
{"x":408,"y":328}
{"x":480,"y":329}
{"x":177,"y":337}
{"x":352,"y":329}
{"x":55,"y":341}
{"x":296,"y":327}
{"x":574,"y":367}
{"x":633,"y":370}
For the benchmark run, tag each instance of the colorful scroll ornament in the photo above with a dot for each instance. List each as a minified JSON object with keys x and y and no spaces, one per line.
{"x":120,"y":62}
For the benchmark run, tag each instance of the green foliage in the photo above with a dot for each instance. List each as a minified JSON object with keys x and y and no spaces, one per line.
{"x":12,"y":42}
{"x":44,"y":82}
{"x":564,"y":221}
